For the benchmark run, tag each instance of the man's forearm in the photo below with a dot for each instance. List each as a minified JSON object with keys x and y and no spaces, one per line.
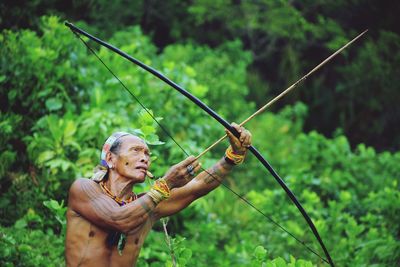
{"x":208,"y":180}
{"x":201,"y":185}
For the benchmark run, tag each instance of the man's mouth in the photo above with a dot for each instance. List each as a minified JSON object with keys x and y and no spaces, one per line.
{"x":142,"y":168}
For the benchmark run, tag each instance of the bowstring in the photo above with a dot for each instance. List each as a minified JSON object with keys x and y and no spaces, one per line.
{"x":187,"y":154}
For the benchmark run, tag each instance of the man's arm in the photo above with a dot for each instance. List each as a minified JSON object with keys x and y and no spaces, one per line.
{"x":87,"y":199}
{"x":208,"y":180}
{"x":201,"y":185}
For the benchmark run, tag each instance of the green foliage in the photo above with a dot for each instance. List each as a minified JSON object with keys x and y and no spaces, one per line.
{"x":378,"y":58}
{"x":58,"y":210}
{"x":27,"y":244}
{"x":215,"y":74}
{"x":285,"y":38}
{"x":27,"y":247}
{"x":62,"y":104}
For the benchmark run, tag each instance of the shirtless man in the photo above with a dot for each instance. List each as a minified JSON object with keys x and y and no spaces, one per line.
{"x":101,"y":211}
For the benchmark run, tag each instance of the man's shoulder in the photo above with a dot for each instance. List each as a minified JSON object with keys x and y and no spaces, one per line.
{"x":83,"y":181}
{"x":84,"y":185}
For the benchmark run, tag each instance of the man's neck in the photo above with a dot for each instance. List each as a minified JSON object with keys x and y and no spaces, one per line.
{"x":119,"y":186}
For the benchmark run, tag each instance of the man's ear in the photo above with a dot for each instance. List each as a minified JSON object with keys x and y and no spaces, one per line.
{"x":110,"y":159}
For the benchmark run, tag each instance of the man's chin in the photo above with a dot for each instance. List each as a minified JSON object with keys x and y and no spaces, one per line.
{"x":140,"y":178}
{"x":137,"y":176}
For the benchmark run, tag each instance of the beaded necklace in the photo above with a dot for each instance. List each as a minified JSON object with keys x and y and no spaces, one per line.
{"x":115,"y":198}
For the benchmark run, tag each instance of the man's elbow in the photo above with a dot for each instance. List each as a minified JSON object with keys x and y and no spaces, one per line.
{"x":129,"y":224}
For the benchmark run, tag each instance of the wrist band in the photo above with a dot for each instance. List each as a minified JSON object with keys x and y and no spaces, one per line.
{"x":229,"y":161}
{"x":233,"y":158}
{"x":159,"y":191}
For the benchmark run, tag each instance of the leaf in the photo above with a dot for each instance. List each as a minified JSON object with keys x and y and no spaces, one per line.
{"x":152,"y":139}
{"x":279,"y":262}
{"x":70,"y":129}
{"x":59,"y":163}
{"x":260,"y":253}
{"x":20,"y":224}
{"x":148,"y":129}
{"x":138,"y":132}
{"x":45,"y":156}
{"x":51,"y":204}
{"x":24,"y":248}
{"x":54,"y":124}
{"x":199,"y":90}
{"x":121,"y":243}
{"x":12,"y":94}
{"x":53,"y":104}
{"x":145,"y":118}
{"x":186,"y":254}
{"x":74,"y":144}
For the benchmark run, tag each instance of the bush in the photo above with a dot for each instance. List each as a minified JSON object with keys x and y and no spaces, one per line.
{"x":62,"y":104}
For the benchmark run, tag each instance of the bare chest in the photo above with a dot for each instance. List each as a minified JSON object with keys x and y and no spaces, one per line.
{"x":90,"y":245}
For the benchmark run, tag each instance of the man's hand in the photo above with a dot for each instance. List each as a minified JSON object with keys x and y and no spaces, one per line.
{"x":239,"y":145}
{"x":205,"y":182}
{"x":181,"y":173}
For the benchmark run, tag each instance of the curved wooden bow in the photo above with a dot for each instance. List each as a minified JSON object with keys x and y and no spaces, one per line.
{"x":223,"y":122}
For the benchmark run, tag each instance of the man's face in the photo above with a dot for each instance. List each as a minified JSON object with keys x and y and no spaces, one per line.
{"x":133,"y":158}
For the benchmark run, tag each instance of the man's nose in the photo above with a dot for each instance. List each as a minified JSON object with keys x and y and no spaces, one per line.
{"x":144,"y":158}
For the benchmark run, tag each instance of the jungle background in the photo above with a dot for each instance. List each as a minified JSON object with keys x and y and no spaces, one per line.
{"x":334,"y":140}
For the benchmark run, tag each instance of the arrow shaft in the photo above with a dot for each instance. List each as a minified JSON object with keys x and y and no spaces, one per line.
{"x":286,"y":91}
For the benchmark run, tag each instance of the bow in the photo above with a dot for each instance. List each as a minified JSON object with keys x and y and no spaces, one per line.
{"x":224,"y":123}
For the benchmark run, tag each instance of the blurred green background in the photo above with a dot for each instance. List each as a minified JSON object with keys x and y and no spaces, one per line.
{"x":334,"y":140}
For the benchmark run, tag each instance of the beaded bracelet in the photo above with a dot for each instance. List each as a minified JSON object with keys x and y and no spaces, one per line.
{"x":159,"y":191}
{"x":232,"y":158}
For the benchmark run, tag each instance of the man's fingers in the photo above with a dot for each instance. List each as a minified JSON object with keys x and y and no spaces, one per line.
{"x":230,"y":135}
{"x":243,"y":135}
{"x":197,"y":168}
{"x":247,"y":139}
{"x":244,"y":139}
{"x":195,"y":165}
{"x":187,"y":161}
{"x":237,"y":127}
{"x":191,"y":164}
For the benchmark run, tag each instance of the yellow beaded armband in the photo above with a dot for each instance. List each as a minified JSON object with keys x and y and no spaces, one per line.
{"x":233,"y":158}
{"x":159,"y":191}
